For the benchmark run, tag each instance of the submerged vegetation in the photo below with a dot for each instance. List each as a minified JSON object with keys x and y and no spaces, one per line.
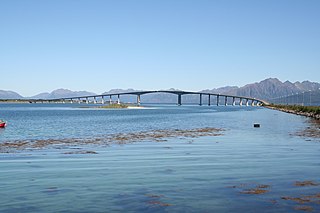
{"x":119,"y":138}
{"x":308,"y":200}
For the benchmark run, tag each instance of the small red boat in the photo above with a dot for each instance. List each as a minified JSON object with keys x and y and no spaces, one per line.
{"x":2,"y":124}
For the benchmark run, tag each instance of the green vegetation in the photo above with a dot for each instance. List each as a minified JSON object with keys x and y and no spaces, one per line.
{"x":303,"y":109}
{"x":115,"y":106}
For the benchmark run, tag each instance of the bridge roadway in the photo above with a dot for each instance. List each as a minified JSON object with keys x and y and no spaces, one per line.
{"x":242,"y":100}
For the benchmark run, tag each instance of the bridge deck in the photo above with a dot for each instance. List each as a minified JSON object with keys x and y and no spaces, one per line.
{"x":139,"y":93}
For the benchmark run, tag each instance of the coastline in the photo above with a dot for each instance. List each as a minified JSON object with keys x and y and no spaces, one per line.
{"x":307,"y":111}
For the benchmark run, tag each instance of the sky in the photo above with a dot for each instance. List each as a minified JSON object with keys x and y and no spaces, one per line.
{"x":98,"y":45}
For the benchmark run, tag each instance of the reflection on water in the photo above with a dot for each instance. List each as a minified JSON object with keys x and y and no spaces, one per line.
{"x":243,"y":170}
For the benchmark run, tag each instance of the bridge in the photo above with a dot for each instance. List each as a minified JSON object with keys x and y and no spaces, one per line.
{"x":100,"y":99}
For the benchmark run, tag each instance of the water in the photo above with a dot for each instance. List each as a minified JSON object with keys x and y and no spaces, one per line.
{"x":205,"y":174}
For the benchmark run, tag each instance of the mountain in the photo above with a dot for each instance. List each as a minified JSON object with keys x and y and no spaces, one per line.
{"x":9,"y":95}
{"x":62,"y":93}
{"x":268,"y":89}
{"x":272,"y":88}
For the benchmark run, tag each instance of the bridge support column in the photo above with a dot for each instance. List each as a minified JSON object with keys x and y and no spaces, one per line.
{"x":233,"y":101}
{"x":226,"y":100}
{"x":252,"y":103}
{"x":71,"y":101}
{"x":79,"y":100}
{"x":110,"y":100}
{"x":87,"y":100}
{"x":94,"y":100}
{"x":240,"y":103}
{"x":138,"y":99}
{"x":218,"y":96}
{"x":63,"y":101}
{"x":209,"y":100}
{"x":102,"y":99}
{"x":200,"y":100}
{"x":179,"y":99}
{"x":118,"y":102}
{"x":247,"y":102}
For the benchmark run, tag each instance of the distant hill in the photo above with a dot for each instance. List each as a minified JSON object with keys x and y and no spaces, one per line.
{"x":120,"y":91}
{"x":62,"y":93}
{"x":9,"y":95}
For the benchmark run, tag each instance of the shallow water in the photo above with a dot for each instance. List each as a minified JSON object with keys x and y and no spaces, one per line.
{"x":205,"y":174}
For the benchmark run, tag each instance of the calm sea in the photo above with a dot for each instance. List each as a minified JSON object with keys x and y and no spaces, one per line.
{"x":204,"y":174}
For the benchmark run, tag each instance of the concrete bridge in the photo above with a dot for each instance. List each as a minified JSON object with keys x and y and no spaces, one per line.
{"x":236,"y":100}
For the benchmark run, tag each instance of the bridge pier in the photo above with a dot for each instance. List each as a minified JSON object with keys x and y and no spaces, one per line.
{"x":179,"y":99}
{"x":138,"y":99}
{"x":86,"y":99}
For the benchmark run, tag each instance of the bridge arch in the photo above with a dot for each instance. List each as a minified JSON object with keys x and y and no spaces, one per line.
{"x":242,"y":100}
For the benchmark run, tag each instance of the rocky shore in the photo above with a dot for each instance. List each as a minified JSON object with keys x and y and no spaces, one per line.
{"x":308,"y":111}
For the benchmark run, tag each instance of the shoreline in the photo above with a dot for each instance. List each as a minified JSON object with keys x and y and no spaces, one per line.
{"x":307,"y":111}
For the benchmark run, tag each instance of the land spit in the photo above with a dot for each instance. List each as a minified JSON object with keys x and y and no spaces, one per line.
{"x":308,"y":111}
{"x":120,"y":138}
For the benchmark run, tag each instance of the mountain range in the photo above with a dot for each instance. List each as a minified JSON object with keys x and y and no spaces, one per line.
{"x":267,"y":89}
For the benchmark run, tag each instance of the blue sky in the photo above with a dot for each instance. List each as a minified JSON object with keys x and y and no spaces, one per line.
{"x":98,"y":45}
